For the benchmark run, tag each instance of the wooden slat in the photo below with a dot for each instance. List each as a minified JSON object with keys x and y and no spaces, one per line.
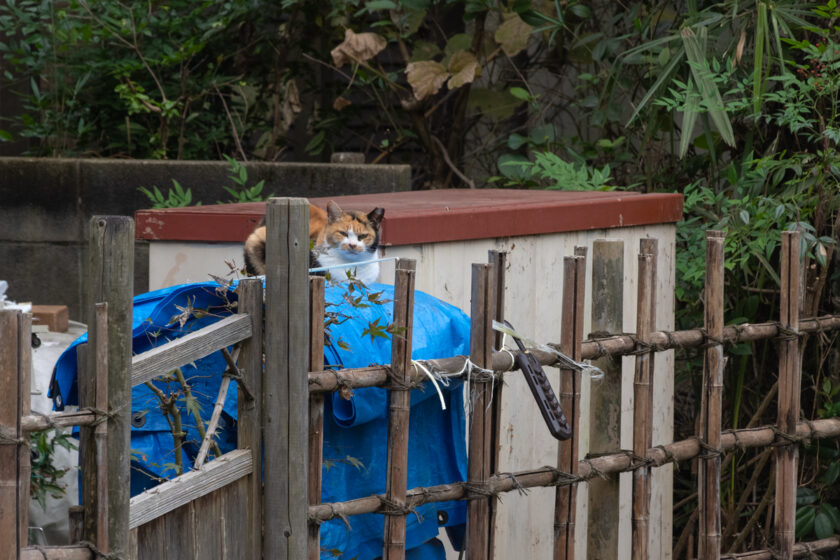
{"x":151,"y":540}
{"x":176,"y":353}
{"x":209,"y":527}
{"x":285,"y":410}
{"x":789,"y":395}
{"x":565,"y":498}
{"x":708,"y":476}
{"x":180,"y":532}
{"x":605,"y":397}
{"x":482,"y":311}
{"x":73,"y":552}
{"x":12,"y":511}
{"x":643,"y":408}
{"x":213,"y":425}
{"x":399,"y":409}
{"x":100,"y":431}
{"x":235,"y":519}
{"x":317,"y":307}
{"x":179,"y":491}
{"x":499,"y":261}
{"x":249,"y":424}
{"x":109,"y":278}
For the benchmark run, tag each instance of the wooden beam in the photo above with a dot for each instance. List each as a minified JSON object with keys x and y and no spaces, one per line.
{"x":72,"y":552}
{"x":317,"y":309}
{"x":181,"y":351}
{"x":183,"y":489}
{"x":605,"y":397}
{"x":110,"y":279}
{"x":285,"y":408}
{"x":249,"y":424}
{"x":399,"y":409}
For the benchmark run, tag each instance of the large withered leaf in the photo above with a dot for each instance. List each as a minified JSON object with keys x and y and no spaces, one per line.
{"x":464,"y":69}
{"x":425,"y":77}
{"x":513,"y":35}
{"x":357,"y":47}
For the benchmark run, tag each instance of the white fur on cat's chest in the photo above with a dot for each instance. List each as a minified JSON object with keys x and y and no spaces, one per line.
{"x":333,"y":256}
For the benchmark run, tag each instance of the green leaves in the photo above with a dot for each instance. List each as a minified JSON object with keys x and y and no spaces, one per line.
{"x":175,"y":198}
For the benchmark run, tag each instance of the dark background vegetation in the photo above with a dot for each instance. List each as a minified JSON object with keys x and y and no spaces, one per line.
{"x":732,"y":103}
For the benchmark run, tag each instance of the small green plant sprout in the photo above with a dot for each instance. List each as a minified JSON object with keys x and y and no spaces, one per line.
{"x":175,"y":198}
{"x":244,"y":193}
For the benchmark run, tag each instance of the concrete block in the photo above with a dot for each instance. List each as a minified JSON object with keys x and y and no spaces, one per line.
{"x":55,"y":317}
{"x":43,"y":273}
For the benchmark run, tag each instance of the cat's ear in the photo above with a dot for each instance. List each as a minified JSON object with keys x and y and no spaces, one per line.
{"x":334,"y":211}
{"x":375,"y":216}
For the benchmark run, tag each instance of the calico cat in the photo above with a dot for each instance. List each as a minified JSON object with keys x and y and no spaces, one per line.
{"x":338,"y":238}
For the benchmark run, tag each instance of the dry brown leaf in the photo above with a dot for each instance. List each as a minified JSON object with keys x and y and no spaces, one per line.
{"x":357,"y":47}
{"x":425,"y":77}
{"x":464,"y":69}
{"x":341,"y":102}
{"x":513,"y":35}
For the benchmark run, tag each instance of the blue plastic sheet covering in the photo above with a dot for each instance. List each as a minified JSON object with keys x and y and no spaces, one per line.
{"x":355,"y":430}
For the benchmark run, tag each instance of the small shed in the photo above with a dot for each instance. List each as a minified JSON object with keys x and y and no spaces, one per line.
{"x":445,"y":231}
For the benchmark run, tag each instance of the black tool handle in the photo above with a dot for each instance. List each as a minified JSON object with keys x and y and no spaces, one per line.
{"x":547,"y":402}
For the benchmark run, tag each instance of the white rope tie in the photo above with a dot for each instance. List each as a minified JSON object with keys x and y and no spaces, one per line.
{"x":433,"y":380}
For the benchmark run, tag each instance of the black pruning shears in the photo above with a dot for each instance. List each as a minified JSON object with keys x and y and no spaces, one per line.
{"x":547,"y":402}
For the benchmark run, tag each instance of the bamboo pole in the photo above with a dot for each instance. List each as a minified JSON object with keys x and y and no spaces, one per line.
{"x":285,"y":408}
{"x":684,"y":450}
{"x":708,"y":475}
{"x":399,"y":410}
{"x":317,"y":307}
{"x":643,"y":408}
{"x":605,"y":397}
{"x":478,"y":469}
{"x":565,"y":498}
{"x":789,"y":395}
{"x":110,"y":279}
{"x":499,"y":261}
{"x":249,"y":434}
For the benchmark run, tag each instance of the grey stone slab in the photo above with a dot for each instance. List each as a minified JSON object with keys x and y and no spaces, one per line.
{"x":39,"y":200}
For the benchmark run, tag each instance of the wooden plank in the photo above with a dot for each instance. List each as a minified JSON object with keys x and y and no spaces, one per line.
{"x":786,"y":456}
{"x":110,"y":278}
{"x":12,"y":439}
{"x":285,"y":409}
{"x":643,"y":408}
{"x":100,"y":431}
{"x":181,"y":490}
{"x":209,"y":527}
{"x":151,"y":540}
{"x":565,"y":498}
{"x":235,"y":519}
{"x":249,"y":434}
{"x":399,"y":409}
{"x":708,"y":474}
{"x":180,"y":532}
{"x":605,"y":397}
{"x":482,"y":308}
{"x":181,"y":351}
{"x":317,"y":308}
{"x":24,"y":387}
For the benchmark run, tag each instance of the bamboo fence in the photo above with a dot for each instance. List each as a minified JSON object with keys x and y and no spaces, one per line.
{"x":287,"y":408}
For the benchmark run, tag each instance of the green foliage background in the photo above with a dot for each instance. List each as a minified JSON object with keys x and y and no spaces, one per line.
{"x":733,"y":103}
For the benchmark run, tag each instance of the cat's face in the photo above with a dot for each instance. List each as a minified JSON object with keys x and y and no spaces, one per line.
{"x":354,"y":234}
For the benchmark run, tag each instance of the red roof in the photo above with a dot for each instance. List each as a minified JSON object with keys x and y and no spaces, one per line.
{"x":434,"y":215}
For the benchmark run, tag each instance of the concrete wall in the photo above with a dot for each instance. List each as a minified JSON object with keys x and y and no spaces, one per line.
{"x":45,"y":206}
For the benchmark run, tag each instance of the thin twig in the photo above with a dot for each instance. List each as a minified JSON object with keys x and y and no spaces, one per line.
{"x":232,"y":125}
{"x":451,"y":165}
{"x":199,"y":423}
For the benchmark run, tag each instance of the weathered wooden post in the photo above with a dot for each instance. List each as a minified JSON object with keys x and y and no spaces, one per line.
{"x":565,"y":497}
{"x":249,"y":434}
{"x":605,"y":397}
{"x":110,"y":280}
{"x":499,"y":261}
{"x":286,"y":387}
{"x":789,"y":395}
{"x":15,"y":367}
{"x":399,"y":409}
{"x":711,"y":403}
{"x":480,"y":433}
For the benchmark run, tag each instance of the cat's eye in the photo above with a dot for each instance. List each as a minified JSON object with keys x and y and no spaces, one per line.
{"x":342,"y":233}
{"x":362,"y":236}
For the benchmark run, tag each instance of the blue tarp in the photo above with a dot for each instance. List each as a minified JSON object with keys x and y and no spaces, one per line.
{"x":355,"y":430}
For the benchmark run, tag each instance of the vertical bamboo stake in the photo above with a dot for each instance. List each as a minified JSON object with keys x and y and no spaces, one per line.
{"x":249,"y":434}
{"x":317,"y":308}
{"x":708,"y":481}
{"x":499,"y":261}
{"x":565,"y":497}
{"x":15,"y":365}
{"x":110,"y":279}
{"x":399,"y":409}
{"x":643,"y":408}
{"x":285,"y":387}
{"x":789,"y":395}
{"x":605,"y":397}
{"x":482,"y":306}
